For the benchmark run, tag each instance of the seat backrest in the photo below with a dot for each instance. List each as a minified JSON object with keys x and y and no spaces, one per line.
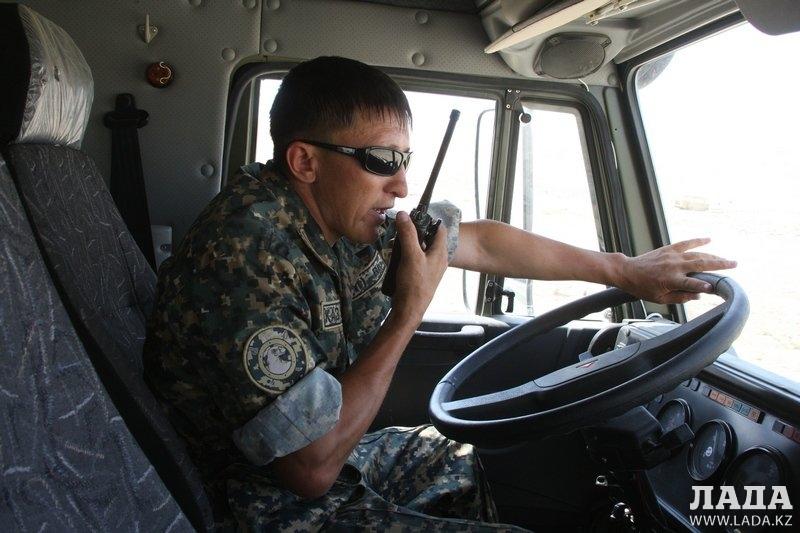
{"x":103,"y":279}
{"x":69,"y":462}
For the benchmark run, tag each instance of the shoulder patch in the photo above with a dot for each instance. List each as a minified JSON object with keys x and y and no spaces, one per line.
{"x":331,"y":314}
{"x":275,"y":358}
{"x":370,"y":276}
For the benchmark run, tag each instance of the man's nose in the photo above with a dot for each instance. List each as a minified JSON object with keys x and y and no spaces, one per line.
{"x":397,"y":184}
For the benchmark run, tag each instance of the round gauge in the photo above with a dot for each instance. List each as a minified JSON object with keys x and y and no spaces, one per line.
{"x":673,"y":414}
{"x":757,"y":467}
{"x":712,"y":446}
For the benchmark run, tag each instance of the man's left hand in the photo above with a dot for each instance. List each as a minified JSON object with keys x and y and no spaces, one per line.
{"x":661,"y":275}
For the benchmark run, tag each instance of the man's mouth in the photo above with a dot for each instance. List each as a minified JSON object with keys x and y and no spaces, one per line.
{"x":380,"y":213}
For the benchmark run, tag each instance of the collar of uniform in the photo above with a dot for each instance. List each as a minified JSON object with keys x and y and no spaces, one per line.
{"x":304,"y":224}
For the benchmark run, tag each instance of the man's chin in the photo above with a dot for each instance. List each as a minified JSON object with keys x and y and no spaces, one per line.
{"x":365,"y":236}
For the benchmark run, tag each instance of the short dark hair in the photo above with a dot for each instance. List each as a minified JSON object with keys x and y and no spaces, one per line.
{"x":325,"y":94}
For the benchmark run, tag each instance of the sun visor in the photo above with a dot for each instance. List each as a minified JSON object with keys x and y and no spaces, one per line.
{"x":774,"y":17}
{"x":60,"y":86}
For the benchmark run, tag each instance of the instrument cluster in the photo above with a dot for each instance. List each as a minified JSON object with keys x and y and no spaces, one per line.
{"x":736,"y":448}
{"x":741,"y":454}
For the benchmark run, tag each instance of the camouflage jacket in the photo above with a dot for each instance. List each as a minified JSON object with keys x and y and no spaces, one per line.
{"x":256,"y":315}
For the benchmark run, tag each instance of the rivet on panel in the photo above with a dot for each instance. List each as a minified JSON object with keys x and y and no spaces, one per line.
{"x":612,"y":79}
{"x":207,"y":170}
{"x":249,"y":4}
{"x":273,"y":4}
{"x":418,"y":59}
{"x":271,"y":46}
{"x":228,"y":54}
{"x":421,"y":17}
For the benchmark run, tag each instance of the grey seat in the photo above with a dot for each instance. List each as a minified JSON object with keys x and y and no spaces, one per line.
{"x":102,"y":278}
{"x":69,"y":462}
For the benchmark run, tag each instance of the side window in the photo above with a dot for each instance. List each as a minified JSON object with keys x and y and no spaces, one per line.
{"x":553,"y":197}
{"x":724,"y":150}
{"x":267,"y":90}
{"x":463,"y":179}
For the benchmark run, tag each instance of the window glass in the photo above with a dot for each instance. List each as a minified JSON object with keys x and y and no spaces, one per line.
{"x":553,"y":198}
{"x":463,"y":179}
{"x":266,"y":95}
{"x":721,"y":120}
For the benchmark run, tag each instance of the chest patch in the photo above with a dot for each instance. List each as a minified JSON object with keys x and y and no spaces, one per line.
{"x":275,"y":358}
{"x":368,"y":278}
{"x":331,"y":315}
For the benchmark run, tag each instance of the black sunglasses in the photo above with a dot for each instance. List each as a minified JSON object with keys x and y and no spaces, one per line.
{"x":376,"y":159}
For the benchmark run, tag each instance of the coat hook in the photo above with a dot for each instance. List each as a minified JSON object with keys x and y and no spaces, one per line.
{"x":148,"y":31}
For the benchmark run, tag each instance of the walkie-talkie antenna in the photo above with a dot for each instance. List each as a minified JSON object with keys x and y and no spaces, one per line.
{"x":425,"y":226}
{"x":425,"y":199}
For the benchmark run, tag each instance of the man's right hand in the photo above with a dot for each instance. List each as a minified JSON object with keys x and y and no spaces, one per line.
{"x":419,"y":272}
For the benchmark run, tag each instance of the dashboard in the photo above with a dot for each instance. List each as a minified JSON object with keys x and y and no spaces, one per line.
{"x":736,"y":443}
{"x":741,"y":456}
{"x":745,"y":432}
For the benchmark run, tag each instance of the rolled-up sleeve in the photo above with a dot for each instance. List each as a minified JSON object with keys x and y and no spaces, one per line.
{"x":299,"y":416}
{"x":451,"y":219}
{"x":450,"y":216}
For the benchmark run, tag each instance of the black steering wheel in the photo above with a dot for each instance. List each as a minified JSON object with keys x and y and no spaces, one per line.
{"x":593,"y":390}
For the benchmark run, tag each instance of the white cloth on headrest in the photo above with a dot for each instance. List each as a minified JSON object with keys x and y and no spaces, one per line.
{"x":61,"y":88}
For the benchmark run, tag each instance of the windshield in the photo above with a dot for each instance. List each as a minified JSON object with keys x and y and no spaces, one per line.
{"x":721,"y":118}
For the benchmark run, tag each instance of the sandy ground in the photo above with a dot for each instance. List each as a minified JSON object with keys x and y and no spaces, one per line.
{"x":765,"y":244}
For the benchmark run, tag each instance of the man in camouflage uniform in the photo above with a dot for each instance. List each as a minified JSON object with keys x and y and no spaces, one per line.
{"x":272,"y":345}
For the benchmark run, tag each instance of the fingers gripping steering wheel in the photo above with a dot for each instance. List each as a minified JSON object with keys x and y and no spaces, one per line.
{"x":592,"y":390}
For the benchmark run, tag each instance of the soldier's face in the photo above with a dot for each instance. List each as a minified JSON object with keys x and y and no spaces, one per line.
{"x":351,"y":200}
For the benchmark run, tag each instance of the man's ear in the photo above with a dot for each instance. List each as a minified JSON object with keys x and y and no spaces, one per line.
{"x":302,"y":162}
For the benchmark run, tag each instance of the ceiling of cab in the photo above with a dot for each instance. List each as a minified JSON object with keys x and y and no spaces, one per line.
{"x":578,"y":37}
{"x":459,"y":6}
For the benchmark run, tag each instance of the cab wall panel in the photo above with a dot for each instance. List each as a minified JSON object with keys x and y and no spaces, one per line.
{"x":184,"y":137}
{"x":186,"y":124}
{"x":380,"y":35}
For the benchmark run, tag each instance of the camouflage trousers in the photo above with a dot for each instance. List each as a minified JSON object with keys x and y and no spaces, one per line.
{"x":396,"y":479}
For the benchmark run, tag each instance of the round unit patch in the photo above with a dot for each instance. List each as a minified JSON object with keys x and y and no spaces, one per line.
{"x":275,"y":358}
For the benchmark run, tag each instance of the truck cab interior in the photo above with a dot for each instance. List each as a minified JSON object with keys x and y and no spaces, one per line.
{"x":614,"y":125}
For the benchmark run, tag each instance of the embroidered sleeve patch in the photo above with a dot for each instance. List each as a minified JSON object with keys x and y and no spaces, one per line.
{"x":275,"y":358}
{"x":331,"y":315}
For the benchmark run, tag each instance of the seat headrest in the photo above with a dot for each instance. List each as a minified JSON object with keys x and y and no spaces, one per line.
{"x":47,"y":90}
